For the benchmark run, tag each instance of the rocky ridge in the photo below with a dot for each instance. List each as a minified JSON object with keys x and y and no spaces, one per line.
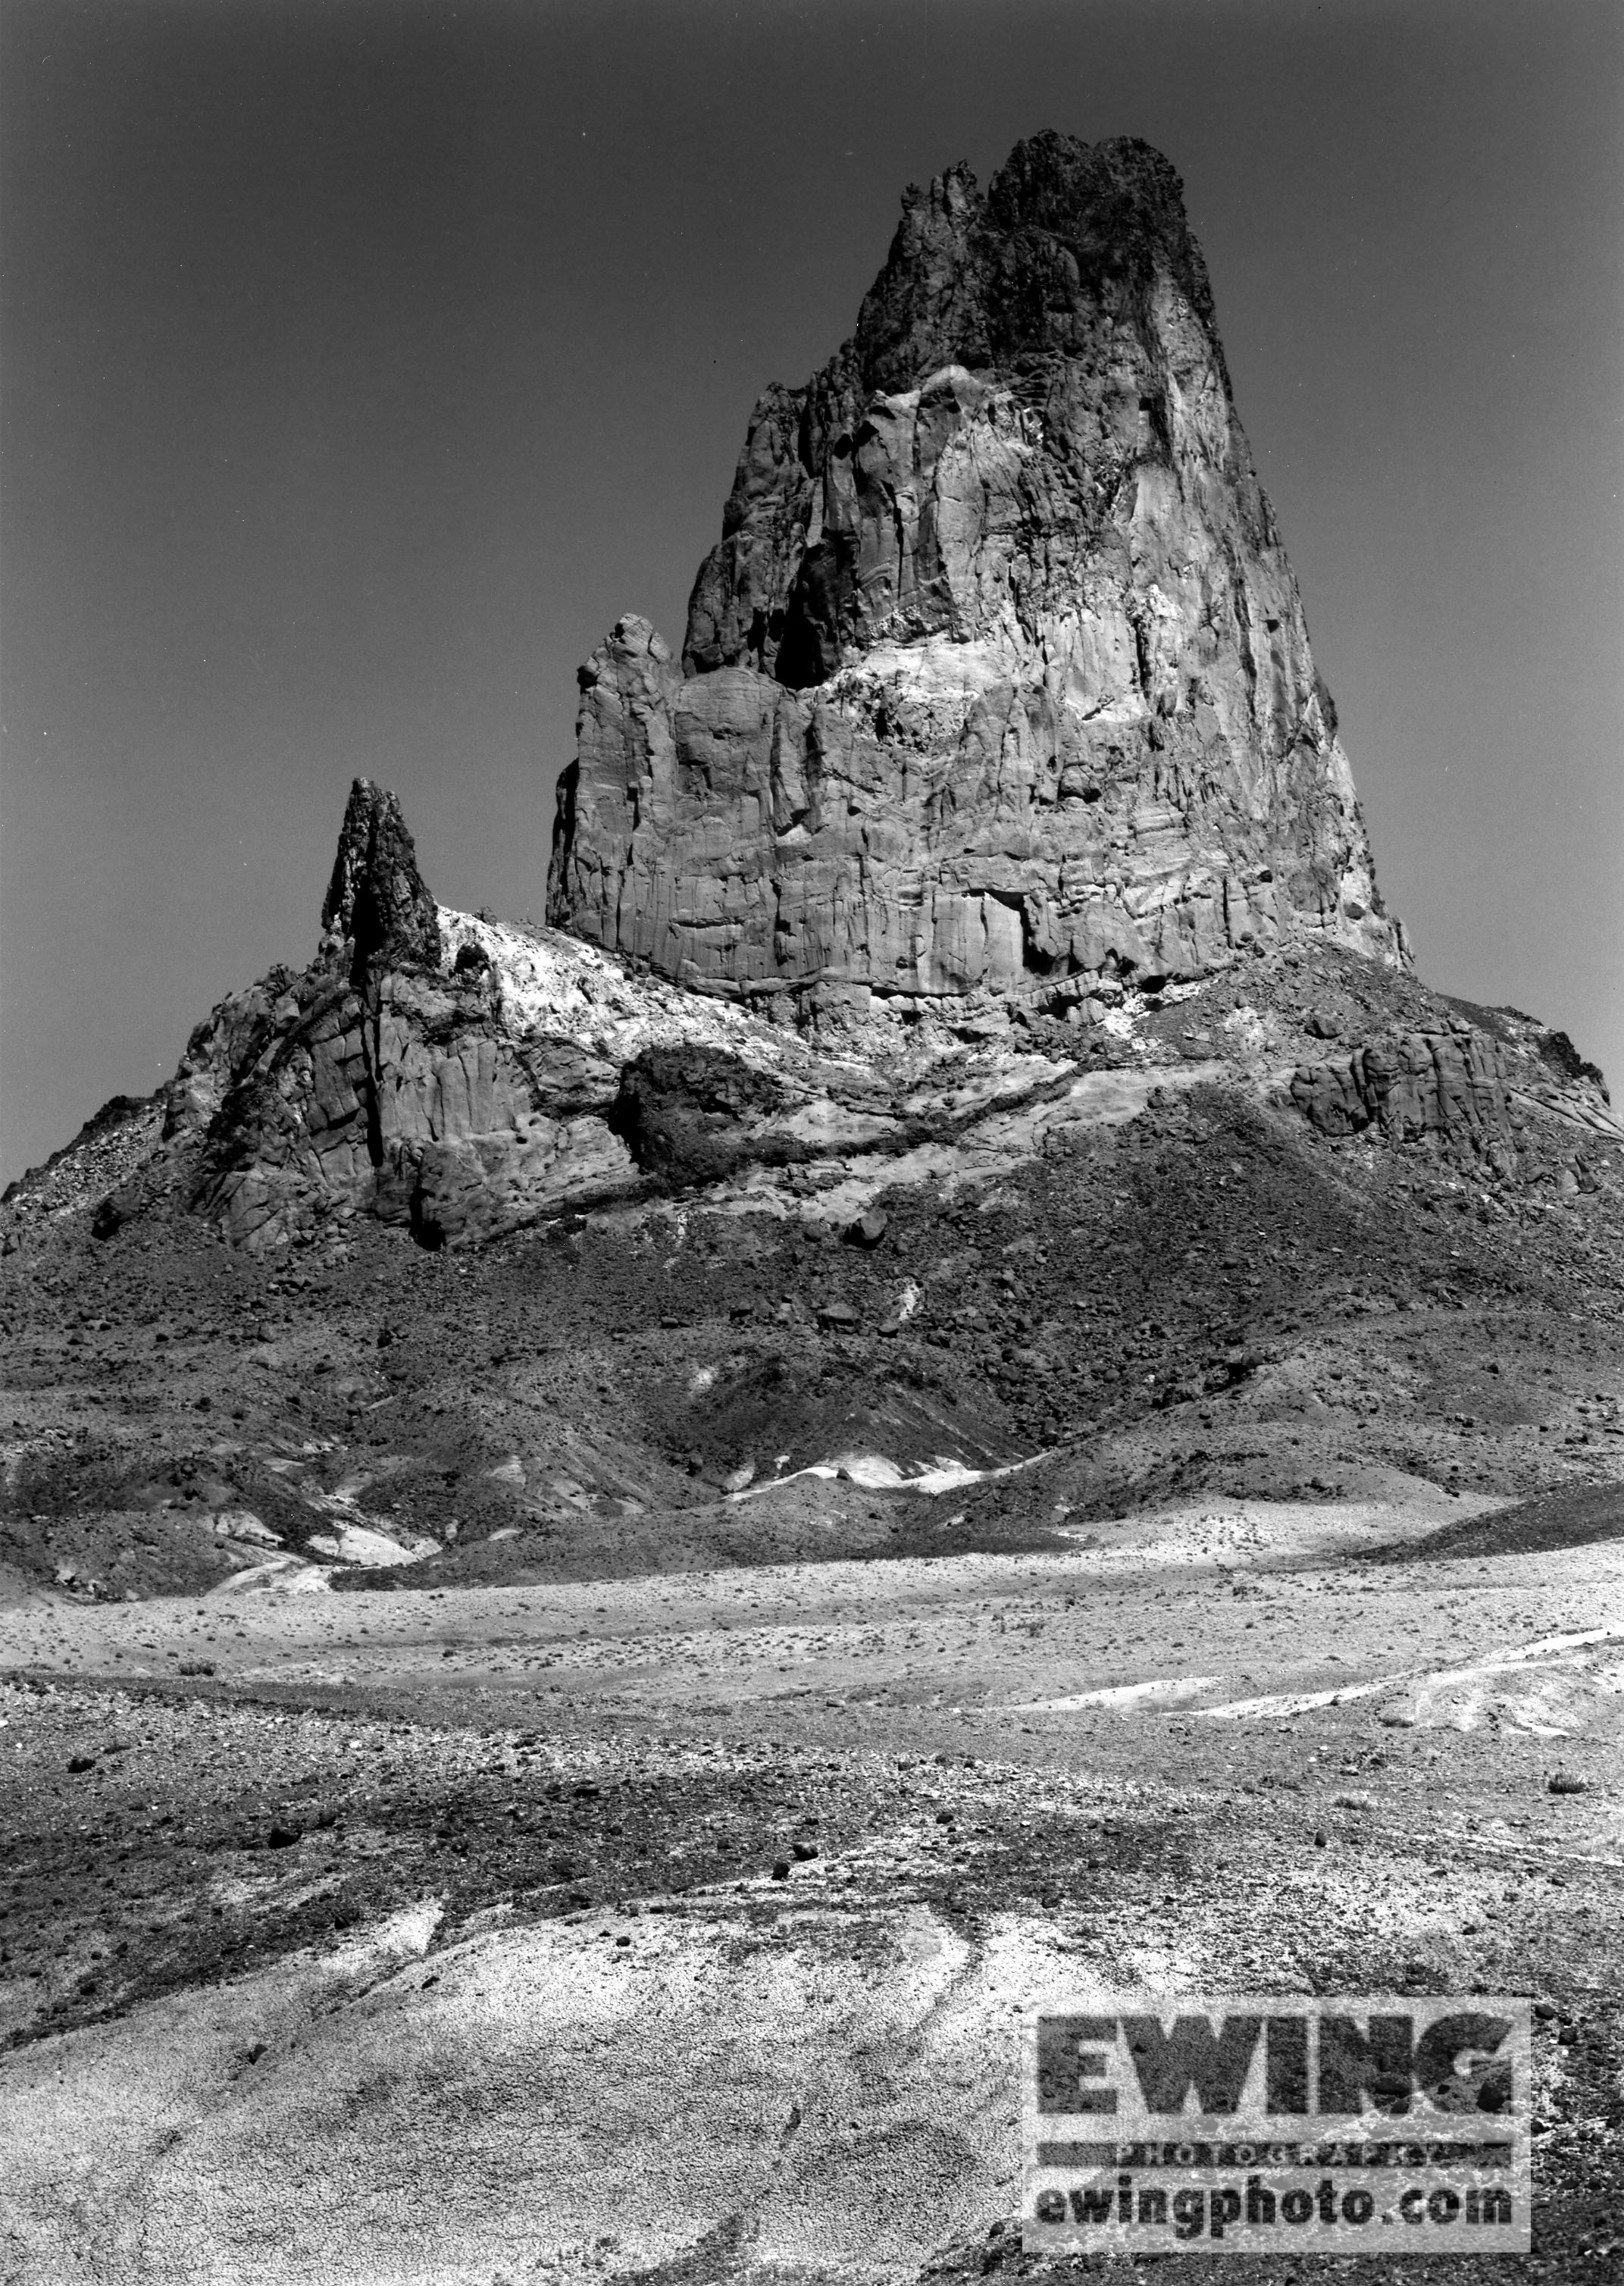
{"x":460,"y":1077}
{"x":998,"y":686}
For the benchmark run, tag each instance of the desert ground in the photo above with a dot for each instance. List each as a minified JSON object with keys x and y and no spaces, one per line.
{"x":679,"y":1927}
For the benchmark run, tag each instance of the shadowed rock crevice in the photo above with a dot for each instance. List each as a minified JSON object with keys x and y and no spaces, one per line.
{"x":693,"y":1115}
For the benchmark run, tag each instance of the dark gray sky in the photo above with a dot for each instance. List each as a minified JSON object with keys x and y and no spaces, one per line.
{"x":363,"y":362}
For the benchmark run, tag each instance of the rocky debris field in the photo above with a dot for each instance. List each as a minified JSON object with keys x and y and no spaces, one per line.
{"x":1196,"y":1292}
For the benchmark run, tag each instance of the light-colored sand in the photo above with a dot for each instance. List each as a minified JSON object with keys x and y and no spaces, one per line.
{"x":1242,"y":1611}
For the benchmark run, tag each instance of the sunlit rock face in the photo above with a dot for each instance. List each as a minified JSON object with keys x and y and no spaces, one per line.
{"x":997,"y":683}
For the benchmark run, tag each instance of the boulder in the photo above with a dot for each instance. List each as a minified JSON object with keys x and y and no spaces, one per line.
{"x":691,"y":1115}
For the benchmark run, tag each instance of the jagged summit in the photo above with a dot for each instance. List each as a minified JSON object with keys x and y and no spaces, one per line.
{"x":1012,"y":281}
{"x":985,"y":281}
{"x":997,"y":684}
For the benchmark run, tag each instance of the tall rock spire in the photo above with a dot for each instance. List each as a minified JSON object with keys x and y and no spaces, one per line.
{"x":377,"y":901}
{"x":998,"y":681}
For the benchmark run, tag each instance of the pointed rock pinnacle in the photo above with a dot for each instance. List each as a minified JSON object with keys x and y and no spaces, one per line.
{"x":376,"y":900}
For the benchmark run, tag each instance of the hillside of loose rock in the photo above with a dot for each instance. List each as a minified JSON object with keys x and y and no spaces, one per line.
{"x":314,"y":1306}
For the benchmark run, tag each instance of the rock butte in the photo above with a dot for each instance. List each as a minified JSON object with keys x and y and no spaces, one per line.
{"x":997,"y":683}
{"x":996,"y":730}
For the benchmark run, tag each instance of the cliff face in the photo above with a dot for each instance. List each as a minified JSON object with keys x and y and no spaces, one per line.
{"x":998,"y":682}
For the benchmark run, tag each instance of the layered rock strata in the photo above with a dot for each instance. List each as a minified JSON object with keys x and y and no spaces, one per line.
{"x":997,"y":683}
